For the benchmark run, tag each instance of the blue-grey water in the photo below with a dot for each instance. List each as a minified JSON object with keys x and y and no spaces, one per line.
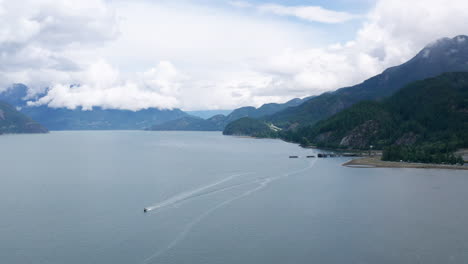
{"x":78,"y":197}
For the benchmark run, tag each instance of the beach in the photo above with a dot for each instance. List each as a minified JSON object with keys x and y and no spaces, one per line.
{"x":376,"y":162}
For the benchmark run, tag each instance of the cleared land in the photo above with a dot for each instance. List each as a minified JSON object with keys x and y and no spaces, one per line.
{"x":376,"y":162}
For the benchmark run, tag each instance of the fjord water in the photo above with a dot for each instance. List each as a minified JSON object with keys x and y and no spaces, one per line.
{"x":78,"y":197}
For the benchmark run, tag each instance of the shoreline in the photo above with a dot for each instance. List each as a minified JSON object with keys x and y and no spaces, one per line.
{"x":375,"y":162}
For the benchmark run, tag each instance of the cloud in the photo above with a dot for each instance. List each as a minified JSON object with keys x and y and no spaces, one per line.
{"x":36,"y":37}
{"x":309,"y":13}
{"x":103,"y":87}
{"x":242,"y":4}
{"x":394,"y":31}
{"x":140,"y":54}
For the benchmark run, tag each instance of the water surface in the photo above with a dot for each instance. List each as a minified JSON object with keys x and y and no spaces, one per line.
{"x":78,"y":197}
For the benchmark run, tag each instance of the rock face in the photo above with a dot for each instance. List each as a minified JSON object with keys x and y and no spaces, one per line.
{"x":14,"y":122}
{"x":359,"y":137}
{"x":407,"y":139}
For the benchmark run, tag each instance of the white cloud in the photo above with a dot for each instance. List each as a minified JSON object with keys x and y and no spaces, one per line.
{"x":242,"y":4}
{"x":36,"y":37}
{"x":394,"y":31}
{"x":309,"y":13}
{"x":140,"y":54}
{"x":103,"y":87}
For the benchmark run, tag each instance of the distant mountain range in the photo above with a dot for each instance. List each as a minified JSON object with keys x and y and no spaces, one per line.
{"x":97,"y":119}
{"x":219,"y":122}
{"x":192,"y":123}
{"x":151,"y":119}
{"x":12,"y":121}
{"x":205,"y":114}
{"x":444,"y":55}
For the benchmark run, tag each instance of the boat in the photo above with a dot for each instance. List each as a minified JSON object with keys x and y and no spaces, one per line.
{"x":293,"y":157}
{"x":145,"y":210}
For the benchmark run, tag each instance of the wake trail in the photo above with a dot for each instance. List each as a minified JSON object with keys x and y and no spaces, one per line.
{"x":262,"y":183}
{"x":191,"y":194}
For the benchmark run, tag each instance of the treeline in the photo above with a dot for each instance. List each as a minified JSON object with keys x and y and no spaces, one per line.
{"x":429,"y":153}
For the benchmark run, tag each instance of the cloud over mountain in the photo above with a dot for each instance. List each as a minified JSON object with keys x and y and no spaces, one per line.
{"x":141,"y":54}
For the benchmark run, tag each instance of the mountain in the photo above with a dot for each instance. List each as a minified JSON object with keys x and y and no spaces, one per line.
{"x":12,"y":121}
{"x":192,"y":123}
{"x":218,"y":122}
{"x":264,"y":110}
{"x":97,"y":119}
{"x":205,"y":114}
{"x":444,"y":55}
{"x":100,"y":119}
{"x":424,"y":119}
{"x":248,"y":126}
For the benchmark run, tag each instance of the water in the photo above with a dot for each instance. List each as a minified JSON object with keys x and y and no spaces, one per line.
{"x":78,"y":197}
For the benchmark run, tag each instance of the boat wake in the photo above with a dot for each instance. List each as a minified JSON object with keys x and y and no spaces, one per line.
{"x":201,"y":191}
{"x":259,"y":185}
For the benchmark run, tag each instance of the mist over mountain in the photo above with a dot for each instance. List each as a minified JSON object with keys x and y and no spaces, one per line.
{"x":78,"y":119}
{"x":444,"y":55}
{"x":441,"y":56}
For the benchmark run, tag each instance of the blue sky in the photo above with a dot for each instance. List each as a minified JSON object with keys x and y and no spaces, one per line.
{"x":209,"y":54}
{"x":337,"y":31}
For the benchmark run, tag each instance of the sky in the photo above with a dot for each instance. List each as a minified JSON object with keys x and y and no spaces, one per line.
{"x":209,"y":54}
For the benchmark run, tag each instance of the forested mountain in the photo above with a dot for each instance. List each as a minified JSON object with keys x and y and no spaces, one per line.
{"x":97,"y":119}
{"x":249,"y":126}
{"x":426,"y":121}
{"x":429,"y":116}
{"x":218,"y":122}
{"x":205,"y":114}
{"x":264,"y":110}
{"x":12,"y":121}
{"x":191,"y":123}
{"x":444,"y":55}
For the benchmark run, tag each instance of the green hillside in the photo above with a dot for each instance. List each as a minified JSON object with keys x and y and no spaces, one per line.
{"x":421,"y":122}
{"x":249,"y":126}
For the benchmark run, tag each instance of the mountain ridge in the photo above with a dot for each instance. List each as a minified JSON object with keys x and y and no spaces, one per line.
{"x":443,"y":55}
{"x":219,"y":122}
{"x":425,"y":121}
{"x":14,"y":122}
